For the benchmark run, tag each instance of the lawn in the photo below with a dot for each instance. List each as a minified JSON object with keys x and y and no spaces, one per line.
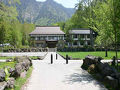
{"x":82,"y":55}
{"x":9,"y":64}
{"x":5,"y":57}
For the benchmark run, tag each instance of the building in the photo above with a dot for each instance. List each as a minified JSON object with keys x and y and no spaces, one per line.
{"x":80,"y":37}
{"x":45,"y":36}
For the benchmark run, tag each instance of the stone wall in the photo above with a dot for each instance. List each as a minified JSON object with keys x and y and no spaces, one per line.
{"x":102,"y":71}
{"x":26,"y":50}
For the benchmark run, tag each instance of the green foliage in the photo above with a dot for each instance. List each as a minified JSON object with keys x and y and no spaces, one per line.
{"x":9,"y":64}
{"x":7,"y":74}
{"x":5,"y":57}
{"x":11,"y":30}
{"x":103,"y":16}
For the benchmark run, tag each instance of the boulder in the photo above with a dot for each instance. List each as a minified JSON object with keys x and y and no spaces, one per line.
{"x":21,"y":59}
{"x":89,"y":60}
{"x":99,"y":77}
{"x":10,"y":83}
{"x":8,"y":60}
{"x":18,"y":69}
{"x":92,"y":69}
{"x":105,"y":69}
{"x":3,"y":85}
{"x":2,"y":75}
{"x":111,"y":82}
{"x":30,"y":61}
{"x":116,"y":76}
{"x":23,"y":74}
{"x":25,"y":65}
{"x":12,"y":72}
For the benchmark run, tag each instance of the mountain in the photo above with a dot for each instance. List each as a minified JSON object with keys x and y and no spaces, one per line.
{"x":43,"y":13}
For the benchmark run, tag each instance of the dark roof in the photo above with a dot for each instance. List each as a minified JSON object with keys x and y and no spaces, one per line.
{"x":42,"y":30}
{"x":80,"y":31}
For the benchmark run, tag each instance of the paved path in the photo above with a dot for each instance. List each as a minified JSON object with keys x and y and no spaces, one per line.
{"x":24,"y":54}
{"x":60,"y":76}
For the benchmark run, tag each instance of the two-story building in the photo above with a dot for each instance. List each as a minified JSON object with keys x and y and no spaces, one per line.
{"x":81,"y":37}
{"x":47,"y":36}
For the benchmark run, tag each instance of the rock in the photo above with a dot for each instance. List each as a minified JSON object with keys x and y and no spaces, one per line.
{"x":89,"y":60}
{"x":111,"y":81}
{"x":26,"y":65}
{"x":8,"y":60}
{"x":2,"y":75}
{"x":10,"y":83}
{"x":12,"y":72}
{"x":106,"y":69}
{"x":23,"y":64}
{"x":3,"y":85}
{"x":116,"y":76}
{"x":99,"y":77}
{"x":92,"y":69}
{"x":18,"y":69}
{"x":23,"y":74}
{"x":30,"y":61}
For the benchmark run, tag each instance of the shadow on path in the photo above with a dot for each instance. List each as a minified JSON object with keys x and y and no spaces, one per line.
{"x":82,"y":78}
{"x":79,"y":78}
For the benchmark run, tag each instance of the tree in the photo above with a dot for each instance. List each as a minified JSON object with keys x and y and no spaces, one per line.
{"x":116,"y":23}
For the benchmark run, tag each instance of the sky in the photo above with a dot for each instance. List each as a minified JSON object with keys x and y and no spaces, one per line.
{"x":65,"y":3}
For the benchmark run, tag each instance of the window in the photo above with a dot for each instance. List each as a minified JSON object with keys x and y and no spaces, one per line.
{"x":75,"y":36}
{"x":88,"y":42}
{"x":75,"y":43}
{"x":88,"y":36}
{"x":61,"y":37}
{"x":50,"y":37}
{"x":36,"y":38}
{"x":82,"y":43}
{"x":82,"y":36}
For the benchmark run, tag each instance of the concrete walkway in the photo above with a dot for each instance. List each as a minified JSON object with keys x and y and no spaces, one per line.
{"x":60,"y":76}
{"x":23,"y":54}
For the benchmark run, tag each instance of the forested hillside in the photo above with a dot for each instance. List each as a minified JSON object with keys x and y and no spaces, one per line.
{"x":42,"y":13}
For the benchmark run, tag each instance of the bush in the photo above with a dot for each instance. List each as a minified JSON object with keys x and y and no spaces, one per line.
{"x":76,"y":49}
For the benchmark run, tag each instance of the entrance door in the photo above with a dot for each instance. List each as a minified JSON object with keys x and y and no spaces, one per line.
{"x":51,"y":44}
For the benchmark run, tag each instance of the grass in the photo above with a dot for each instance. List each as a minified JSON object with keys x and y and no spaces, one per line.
{"x":82,"y":55}
{"x":21,"y":81}
{"x":5,"y":57}
{"x":9,"y":64}
{"x":34,"y":57}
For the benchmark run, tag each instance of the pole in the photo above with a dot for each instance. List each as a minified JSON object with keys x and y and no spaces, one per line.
{"x":51,"y":59}
{"x":66,"y":59}
{"x":56,"y":56}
